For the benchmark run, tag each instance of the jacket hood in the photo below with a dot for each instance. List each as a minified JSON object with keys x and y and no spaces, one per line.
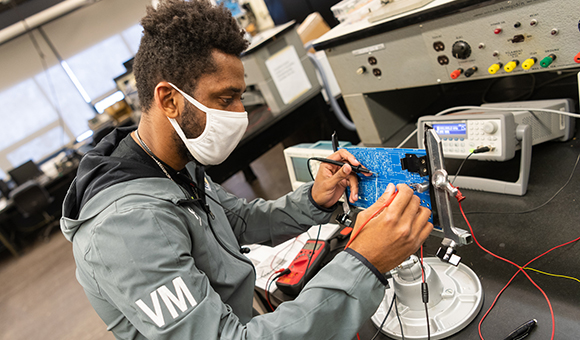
{"x":98,"y":170}
{"x":157,"y":188}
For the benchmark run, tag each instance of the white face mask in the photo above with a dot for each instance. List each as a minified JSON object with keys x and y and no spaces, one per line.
{"x":223,"y":131}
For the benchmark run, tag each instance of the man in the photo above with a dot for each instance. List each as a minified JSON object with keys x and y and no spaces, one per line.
{"x":157,"y":245}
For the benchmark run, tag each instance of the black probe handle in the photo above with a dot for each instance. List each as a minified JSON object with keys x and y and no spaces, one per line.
{"x":355,"y":168}
{"x":522,"y":331}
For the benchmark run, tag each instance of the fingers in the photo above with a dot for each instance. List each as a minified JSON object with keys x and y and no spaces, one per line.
{"x":332,"y":180}
{"x":409,"y":214}
{"x":416,"y":219}
{"x":343,"y":155}
{"x":353,"y":184}
{"x":400,"y":202}
{"x":426,"y":231}
{"x":399,"y":229}
{"x":411,"y":210}
{"x":343,"y":173}
{"x":422,"y":224}
{"x":367,"y":213}
{"x":423,"y":216}
{"x":384,"y":197}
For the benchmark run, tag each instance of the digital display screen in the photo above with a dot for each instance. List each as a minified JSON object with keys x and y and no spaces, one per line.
{"x":312,"y":246}
{"x":300,"y":166}
{"x":450,"y":129}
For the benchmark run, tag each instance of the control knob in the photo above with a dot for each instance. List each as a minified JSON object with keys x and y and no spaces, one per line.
{"x":461,"y":50}
{"x":490,"y":127}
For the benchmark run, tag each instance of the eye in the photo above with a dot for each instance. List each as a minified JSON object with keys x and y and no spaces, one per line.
{"x":227,"y":100}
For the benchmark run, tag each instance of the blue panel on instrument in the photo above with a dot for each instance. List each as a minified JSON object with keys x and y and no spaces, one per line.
{"x":386,"y":163}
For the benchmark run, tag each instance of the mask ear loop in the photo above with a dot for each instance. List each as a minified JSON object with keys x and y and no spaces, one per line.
{"x":178,"y":129}
{"x":204,"y":108}
{"x":197,"y":104}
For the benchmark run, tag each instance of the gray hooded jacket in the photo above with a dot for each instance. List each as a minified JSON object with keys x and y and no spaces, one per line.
{"x":155,"y":266}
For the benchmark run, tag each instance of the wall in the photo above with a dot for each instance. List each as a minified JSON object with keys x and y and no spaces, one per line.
{"x":29,"y":97}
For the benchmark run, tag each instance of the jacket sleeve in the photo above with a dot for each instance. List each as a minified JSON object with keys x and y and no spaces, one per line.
{"x":142,"y":265}
{"x":273,"y":222}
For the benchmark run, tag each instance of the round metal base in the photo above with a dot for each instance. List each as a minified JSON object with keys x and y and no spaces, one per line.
{"x":455,"y":298}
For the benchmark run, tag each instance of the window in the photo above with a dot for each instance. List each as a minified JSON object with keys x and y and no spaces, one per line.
{"x":31,"y":126}
{"x":75,"y":111}
{"x":97,"y":66}
{"x":25,"y":110}
{"x":30,"y":112}
{"x":132,"y":37}
{"x":39,"y":147}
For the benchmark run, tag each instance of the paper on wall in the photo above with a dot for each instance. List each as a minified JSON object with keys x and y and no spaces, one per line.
{"x":288,"y":74}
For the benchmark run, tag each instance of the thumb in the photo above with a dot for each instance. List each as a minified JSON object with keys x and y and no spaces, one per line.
{"x":340,"y":175}
{"x":384,"y":197}
{"x":373,"y":209}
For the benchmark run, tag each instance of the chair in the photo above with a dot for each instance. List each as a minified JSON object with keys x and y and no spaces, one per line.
{"x":4,"y":189}
{"x":31,"y":199}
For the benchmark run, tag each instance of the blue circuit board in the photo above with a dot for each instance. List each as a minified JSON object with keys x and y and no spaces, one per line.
{"x":386,"y":164}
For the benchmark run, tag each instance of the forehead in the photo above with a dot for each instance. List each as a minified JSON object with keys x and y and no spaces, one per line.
{"x":229,"y":74}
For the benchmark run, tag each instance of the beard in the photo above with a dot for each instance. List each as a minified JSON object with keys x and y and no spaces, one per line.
{"x":181,"y":148}
{"x":192,"y":125}
{"x":192,"y":121}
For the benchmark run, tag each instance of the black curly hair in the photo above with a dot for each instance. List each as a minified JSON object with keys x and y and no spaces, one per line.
{"x":178,"y":39}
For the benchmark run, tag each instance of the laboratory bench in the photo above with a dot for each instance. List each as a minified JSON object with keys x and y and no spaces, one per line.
{"x":518,"y":228}
{"x":503,"y":225}
{"x":13,"y":226}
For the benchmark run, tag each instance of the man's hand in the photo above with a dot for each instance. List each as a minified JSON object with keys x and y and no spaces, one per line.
{"x":396,"y":232}
{"x":332,"y":180}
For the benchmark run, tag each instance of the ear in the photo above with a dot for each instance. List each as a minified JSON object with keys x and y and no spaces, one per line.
{"x":168,"y":99}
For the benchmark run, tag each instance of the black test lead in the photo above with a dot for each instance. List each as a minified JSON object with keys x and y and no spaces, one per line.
{"x":522,"y":331}
{"x":355,"y":168}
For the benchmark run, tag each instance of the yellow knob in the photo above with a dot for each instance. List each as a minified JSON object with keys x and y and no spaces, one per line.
{"x":528,"y":63}
{"x":494,"y":68}
{"x":511,"y":65}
